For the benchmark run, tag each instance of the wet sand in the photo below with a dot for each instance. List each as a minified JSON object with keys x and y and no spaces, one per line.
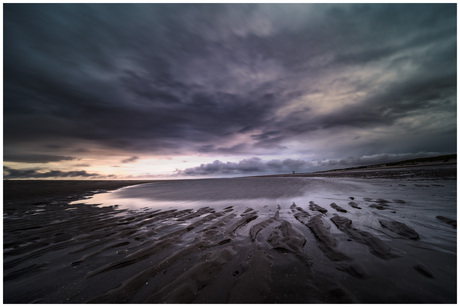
{"x":384,"y":245}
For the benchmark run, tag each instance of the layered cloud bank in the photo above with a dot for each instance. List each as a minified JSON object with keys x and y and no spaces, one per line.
{"x":247,"y":166}
{"x":258,"y":166}
{"x":9,"y":173}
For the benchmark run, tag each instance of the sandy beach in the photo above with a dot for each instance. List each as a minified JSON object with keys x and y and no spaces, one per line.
{"x":286,"y":152}
{"x":386,"y":236}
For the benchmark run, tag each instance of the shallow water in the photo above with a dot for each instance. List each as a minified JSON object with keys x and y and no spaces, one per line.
{"x":218,"y":192}
{"x":414,"y":202}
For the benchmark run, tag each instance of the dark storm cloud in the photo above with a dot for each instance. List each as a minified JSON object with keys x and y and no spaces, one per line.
{"x":10,"y":173}
{"x":258,"y":166}
{"x":246,"y":166}
{"x":34,"y":158}
{"x":175,"y":78}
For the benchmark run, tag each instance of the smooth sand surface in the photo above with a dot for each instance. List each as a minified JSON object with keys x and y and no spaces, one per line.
{"x":381,"y":240}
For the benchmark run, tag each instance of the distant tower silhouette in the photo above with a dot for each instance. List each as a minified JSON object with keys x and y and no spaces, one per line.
{"x":293,"y":172}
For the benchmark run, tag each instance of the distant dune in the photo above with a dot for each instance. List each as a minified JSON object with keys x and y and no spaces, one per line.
{"x":439,"y":166}
{"x":430,"y":161}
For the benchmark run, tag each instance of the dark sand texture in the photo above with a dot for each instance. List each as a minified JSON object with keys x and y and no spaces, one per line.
{"x":57,"y":252}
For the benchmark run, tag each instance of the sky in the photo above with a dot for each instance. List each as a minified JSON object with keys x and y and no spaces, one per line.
{"x":147,"y":91}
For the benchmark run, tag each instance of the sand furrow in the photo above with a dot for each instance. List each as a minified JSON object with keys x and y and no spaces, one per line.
{"x":218,"y":224}
{"x":302,"y":217}
{"x":192,"y":226}
{"x":325,"y":241}
{"x":400,"y":228}
{"x":254,"y":230}
{"x":152,"y":218}
{"x":377,"y":246}
{"x":24,"y":249}
{"x":422,"y":269}
{"x":315,"y":207}
{"x":130,"y":286}
{"x":284,"y":238}
{"x":241,"y":222}
{"x":31,"y":269}
{"x":94,"y":243}
{"x":354,"y":205}
{"x":163,"y":242}
{"x":197,"y":213}
{"x":353,"y":269}
{"x":447,"y":220}
{"x":118,"y":294}
{"x":89,"y":256}
{"x":296,"y":209}
{"x":186,"y":286}
{"x":338,"y":208}
{"x":248,"y":211}
{"x":131,"y":258}
{"x":38,"y":253}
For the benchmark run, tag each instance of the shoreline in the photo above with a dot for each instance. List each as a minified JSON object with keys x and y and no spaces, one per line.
{"x":54,"y":190}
